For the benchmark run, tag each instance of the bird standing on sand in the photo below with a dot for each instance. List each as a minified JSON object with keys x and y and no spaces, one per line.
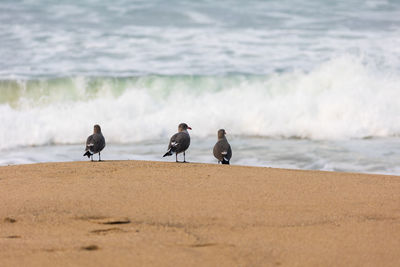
{"x":179,"y":142}
{"x":95,"y":143}
{"x":222,"y":149}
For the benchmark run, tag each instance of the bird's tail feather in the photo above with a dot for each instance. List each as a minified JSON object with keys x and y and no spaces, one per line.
{"x":225,"y":161}
{"x":88,"y":154}
{"x":169,"y":153}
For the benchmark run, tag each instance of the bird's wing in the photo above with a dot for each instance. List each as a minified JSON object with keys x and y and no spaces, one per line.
{"x":222,"y":149}
{"x":89,"y":142}
{"x":217,"y":151}
{"x":172,"y":141}
{"x":182,"y":141}
{"x":229,"y":156}
{"x":98,"y":142}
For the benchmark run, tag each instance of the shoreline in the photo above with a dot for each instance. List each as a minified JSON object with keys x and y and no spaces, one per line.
{"x":198,"y":163}
{"x":197,"y":214}
{"x":363,"y":156}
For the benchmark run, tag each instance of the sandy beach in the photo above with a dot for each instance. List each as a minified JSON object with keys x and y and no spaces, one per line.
{"x":137,"y":213}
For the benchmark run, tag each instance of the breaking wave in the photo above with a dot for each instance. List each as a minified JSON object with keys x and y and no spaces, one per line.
{"x":340,"y":99}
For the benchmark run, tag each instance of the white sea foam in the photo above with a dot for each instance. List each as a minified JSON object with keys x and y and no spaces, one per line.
{"x":341,"y":99}
{"x":125,"y":38}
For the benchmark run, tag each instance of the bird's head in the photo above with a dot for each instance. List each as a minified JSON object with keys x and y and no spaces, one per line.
{"x":183,"y":127}
{"x":221,"y":133}
{"x":97,"y":129}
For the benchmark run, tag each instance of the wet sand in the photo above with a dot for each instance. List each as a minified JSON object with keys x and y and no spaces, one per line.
{"x":134,"y":213}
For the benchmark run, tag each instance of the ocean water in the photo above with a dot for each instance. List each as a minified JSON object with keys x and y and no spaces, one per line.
{"x":296,"y":84}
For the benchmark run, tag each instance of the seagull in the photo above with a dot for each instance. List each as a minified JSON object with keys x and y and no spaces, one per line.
{"x":222,"y":150}
{"x":179,"y":142}
{"x":95,"y":143}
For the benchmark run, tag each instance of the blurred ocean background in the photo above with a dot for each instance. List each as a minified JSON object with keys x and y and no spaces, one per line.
{"x":296,"y":84}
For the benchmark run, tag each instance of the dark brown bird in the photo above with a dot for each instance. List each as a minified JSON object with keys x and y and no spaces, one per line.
{"x":95,"y":143}
{"x":179,"y":142}
{"x":222,"y":149}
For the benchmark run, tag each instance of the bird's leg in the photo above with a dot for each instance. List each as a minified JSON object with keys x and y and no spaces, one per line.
{"x":176,"y":157}
{"x":184,"y":156}
{"x":99,"y":157}
{"x":91,"y":157}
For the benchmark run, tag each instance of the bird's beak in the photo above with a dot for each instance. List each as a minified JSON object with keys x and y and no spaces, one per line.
{"x":189,"y":128}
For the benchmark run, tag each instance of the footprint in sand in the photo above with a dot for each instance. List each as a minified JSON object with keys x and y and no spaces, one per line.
{"x":9,"y":220}
{"x":106,"y":220}
{"x":114,"y":221}
{"x":203,"y":245}
{"x":90,"y":247}
{"x":13,"y":236}
{"x":107,"y":231}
